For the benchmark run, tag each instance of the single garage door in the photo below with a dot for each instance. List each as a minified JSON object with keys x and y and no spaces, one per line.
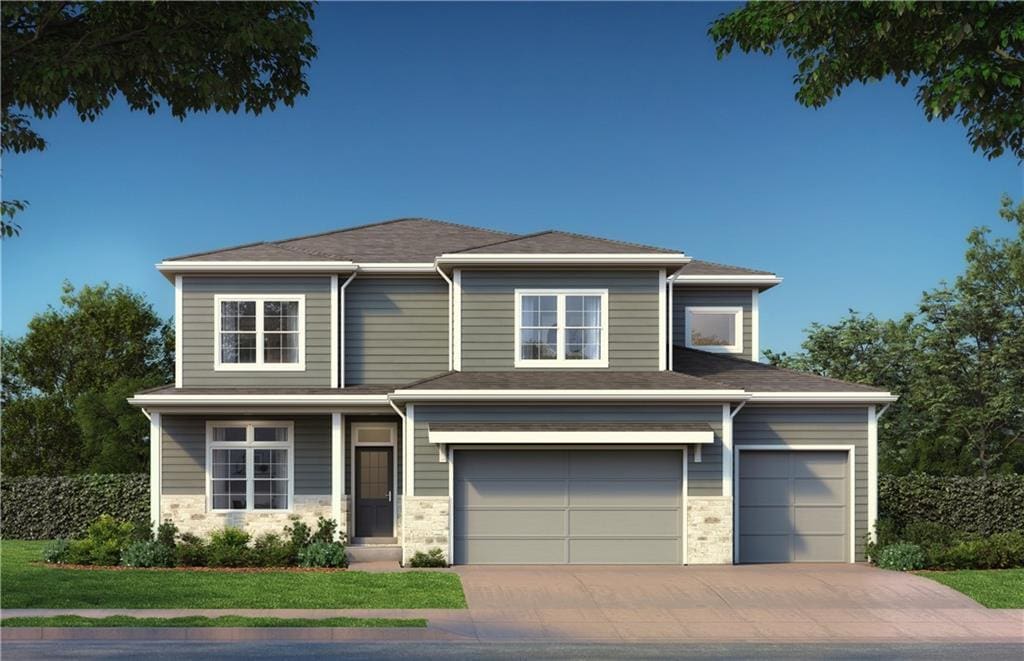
{"x":794,"y":506}
{"x":568,"y":506}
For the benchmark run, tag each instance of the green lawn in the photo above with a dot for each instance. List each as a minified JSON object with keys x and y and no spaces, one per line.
{"x":994,"y":588}
{"x":78,"y":621}
{"x":35,"y":586}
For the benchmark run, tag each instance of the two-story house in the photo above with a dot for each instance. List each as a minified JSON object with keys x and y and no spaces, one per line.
{"x":545,"y":398}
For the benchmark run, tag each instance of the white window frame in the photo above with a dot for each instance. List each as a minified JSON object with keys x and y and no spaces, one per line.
{"x":561,"y":361}
{"x":259,"y":365}
{"x":249,"y":445}
{"x":736,"y":311}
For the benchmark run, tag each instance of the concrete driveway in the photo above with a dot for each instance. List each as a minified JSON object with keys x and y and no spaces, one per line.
{"x":755,"y":603}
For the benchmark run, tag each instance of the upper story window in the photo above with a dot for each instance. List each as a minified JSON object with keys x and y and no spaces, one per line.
{"x":250,"y":465}
{"x":715,"y":329}
{"x":259,"y":332}
{"x":563,"y":328}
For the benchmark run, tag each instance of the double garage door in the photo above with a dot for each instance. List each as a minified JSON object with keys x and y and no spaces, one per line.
{"x":568,"y":506}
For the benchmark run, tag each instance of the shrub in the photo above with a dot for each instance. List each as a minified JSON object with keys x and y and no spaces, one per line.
{"x":228,"y":548}
{"x":56,"y":552}
{"x":298,"y":538}
{"x":978,"y":505}
{"x":103,"y":543}
{"x":269,"y":550}
{"x":325,"y":531}
{"x":432,"y":558}
{"x":191,"y":551}
{"x":901,"y":557}
{"x":323,"y":554}
{"x":64,"y":506}
{"x":999,"y":551}
{"x":166,"y":532}
{"x":150,"y":553}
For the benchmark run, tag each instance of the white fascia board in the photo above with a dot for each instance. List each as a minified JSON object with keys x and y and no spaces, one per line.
{"x":231,"y":400}
{"x":569,"y":395}
{"x":426,"y":268}
{"x":509,"y":437}
{"x":821,"y":397}
{"x":610,"y":259}
{"x":197,"y":266}
{"x":749,"y":279}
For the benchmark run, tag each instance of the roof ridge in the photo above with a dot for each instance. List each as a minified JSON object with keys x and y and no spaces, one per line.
{"x":625,"y":243}
{"x":387,"y":222}
{"x":429,"y":378}
{"x":514,"y":237}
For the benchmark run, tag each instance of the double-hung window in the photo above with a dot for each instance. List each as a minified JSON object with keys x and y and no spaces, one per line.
{"x":561,"y":328}
{"x":715,"y":329}
{"x":250,"y":465}
{"x":259,"y":332}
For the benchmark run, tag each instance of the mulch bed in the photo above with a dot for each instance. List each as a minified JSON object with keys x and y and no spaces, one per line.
{"x":223,"y":570}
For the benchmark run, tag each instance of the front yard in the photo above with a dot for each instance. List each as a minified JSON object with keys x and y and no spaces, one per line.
{"x":28,"y":585}
{"x":993,"y":588}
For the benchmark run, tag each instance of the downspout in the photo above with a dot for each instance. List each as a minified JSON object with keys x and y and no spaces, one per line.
{"x":341,"y":329}
{"x":146,"y":413}
{"x":405,"y":470}
{"x":882,"y":412}
{"x":671,"y":314}
{"x":451,"y":288}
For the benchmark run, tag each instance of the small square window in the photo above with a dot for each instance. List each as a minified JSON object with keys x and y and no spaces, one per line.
{"x":715,"y":329}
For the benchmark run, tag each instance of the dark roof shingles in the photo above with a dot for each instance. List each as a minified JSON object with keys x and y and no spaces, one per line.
{"x":700,"y":267}
{"x":553,"y":241}
{"x":526,"y":379}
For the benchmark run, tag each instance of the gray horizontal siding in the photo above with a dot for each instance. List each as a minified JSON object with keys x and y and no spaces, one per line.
{"x":814,"y":425}
{"x":198,"y":321}
{"x":396,"y":329}
{"x":431,"y":475}
{"x":183,"y":452}
{"x":488,"y":314}
{"x":684,"y":297}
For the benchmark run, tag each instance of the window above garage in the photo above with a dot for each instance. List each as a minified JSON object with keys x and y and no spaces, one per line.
{"x":561,"y":328}
{"x":715,"y":329}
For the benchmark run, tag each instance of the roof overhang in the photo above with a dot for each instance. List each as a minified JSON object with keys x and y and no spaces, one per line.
{"x":754,"y":280}
{"x":570,"y":437}
{"x":174,"y":267}
{"x":821,"y":397}
{"x":162,"y":400}
{"x":563,"y":259}
{"x":425,"y":395}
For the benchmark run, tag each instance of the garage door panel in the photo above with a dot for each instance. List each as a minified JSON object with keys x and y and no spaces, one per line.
{"x":612,"y":523}
{"x":820,"y":491}
{"x":632,"y":493}
{"x":508,"y":551}
{"x":820,"y":465}
{"x":766,"y":520}
{"x":765,"y":548}
{"x":617,"y":551}
{"x":765,"y":491}
{"x":511,"y":493}
{"x":527,"y":522}
{"x":819,"y":548}
{"x":609,"y":465}
{"x":514,"y":465}
{"x":768,"y":464}
{"x":822,"y":520}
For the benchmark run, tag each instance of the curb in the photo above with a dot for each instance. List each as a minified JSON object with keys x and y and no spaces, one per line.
{"x":226,"y":634}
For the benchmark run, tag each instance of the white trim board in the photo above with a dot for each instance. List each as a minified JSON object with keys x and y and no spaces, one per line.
{"x":179,"y":306}
{"x":231,"y":400}
{"x":851,"y":459}
{"x":595,"y":437}
{"x":569,"y":395}
{"x":748,"y":279}
{"x":563,"y":258}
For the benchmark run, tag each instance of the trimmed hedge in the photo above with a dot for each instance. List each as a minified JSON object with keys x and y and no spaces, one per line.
{"x":979,"y":505}
{"x":53,"y":507}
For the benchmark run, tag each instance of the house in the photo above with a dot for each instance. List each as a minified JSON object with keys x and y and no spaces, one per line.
{"x":541,"y":398}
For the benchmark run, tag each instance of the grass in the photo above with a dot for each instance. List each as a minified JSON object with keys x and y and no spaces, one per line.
{"x":993,"y":588}
{"x":27,"y":585}
{"x":78,"y":621}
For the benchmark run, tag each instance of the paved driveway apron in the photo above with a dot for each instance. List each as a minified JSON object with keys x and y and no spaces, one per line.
{"x":755,"y":603}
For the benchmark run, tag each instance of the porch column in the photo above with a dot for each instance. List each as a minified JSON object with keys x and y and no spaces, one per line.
{"x":338,"y":470}
{"x":155,"y":472}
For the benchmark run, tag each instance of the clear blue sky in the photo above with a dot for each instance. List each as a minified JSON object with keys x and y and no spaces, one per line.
{"x":613,"y":120}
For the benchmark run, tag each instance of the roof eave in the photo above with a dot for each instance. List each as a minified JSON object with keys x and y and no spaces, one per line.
{"x":821,"y":397}
{"x":570,"y":259}
{"x":754,"y":280}
{"x":489,"y":395}
{"x":171,"y":268}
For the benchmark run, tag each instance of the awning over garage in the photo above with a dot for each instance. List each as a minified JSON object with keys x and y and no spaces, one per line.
{"x":540,"y":433}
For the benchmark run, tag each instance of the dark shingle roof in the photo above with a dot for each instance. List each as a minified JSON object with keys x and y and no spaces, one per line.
{"x":569,"y":426}
{"x":576,"y":379}
{"x":169,"y":389}
{"x":552,"y":241}
{"x":700,"y":267}
{"x":757,"y":377}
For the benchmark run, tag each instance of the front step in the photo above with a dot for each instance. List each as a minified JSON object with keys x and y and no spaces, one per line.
{"x":377,"y":552}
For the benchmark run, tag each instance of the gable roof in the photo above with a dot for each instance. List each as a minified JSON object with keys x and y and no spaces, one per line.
{"x":554,"y":241}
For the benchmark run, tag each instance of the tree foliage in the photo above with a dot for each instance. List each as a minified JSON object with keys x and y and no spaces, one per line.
{"x":966,"y":58}
{"x":65,"y":384}
{"x":957,"y":364}
{"x":190,"y":56}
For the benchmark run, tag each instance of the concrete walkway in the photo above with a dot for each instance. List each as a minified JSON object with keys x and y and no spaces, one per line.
{"x":747,"y":604}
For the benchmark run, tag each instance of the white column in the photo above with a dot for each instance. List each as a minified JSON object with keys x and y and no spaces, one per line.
{"x":872,"y":469}
{"x":338,"y":468}
{"x":726,"y":450}
{"x":155,"y":462}
{"x":335,"y":332}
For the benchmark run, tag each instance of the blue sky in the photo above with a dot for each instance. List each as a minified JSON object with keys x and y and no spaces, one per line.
{"x":613,"y":120}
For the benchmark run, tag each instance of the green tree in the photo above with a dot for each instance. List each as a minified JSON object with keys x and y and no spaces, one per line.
{"x":66,"y":380}
{"x":966,"y":58}
{"x":190,"y":56}
{"x":957,"y":364}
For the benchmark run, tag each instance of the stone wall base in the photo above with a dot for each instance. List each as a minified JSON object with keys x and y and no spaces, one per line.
{"x":426,"y":525}
{"x":189,"y":513}
{"x":709,"y":530}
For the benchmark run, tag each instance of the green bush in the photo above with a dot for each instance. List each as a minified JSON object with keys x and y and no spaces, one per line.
{"x":104,"y":541}
{"x":977,"y":505}
{"x":191,"y":551}
{"x":999,"y":551}
{"x":269,"y":550}
{"x":901,"y":557}
{"x":63,"y":507}
{"x":298,"y":538}
{"x":432,"y":558}
{"x":147,"y":554}
{"x":325,"y":531}
{"x":56,"y":552}
{"x":166,"y":532}
{"x":228,"y":548}
{"x":323,"y":554}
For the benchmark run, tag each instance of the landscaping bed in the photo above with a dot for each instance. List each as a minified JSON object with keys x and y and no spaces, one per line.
{"x":77,"y":621}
